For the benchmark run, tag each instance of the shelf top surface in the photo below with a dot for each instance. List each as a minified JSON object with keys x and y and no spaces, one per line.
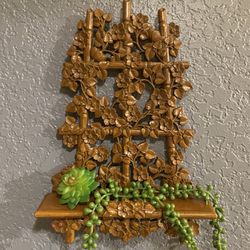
{"x":188,"y":208}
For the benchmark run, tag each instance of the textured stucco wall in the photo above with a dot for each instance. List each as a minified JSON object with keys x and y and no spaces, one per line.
{"x":34,"y":37}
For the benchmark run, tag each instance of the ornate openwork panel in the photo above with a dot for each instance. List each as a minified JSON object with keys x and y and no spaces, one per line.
{"x":127,"y":190}
{"x":144,"y":59}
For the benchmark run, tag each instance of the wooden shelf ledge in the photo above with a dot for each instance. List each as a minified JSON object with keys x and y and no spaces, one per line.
{"x":188,"y":208}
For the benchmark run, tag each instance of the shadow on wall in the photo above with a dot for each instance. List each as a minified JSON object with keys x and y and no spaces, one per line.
{"x":22,"y":197}
{"x":52,"y":87}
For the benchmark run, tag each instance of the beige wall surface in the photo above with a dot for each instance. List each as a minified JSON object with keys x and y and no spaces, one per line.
{"x":34,"y":37}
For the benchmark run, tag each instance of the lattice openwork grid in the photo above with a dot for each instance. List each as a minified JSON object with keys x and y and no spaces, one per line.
{"x":143,"y":57}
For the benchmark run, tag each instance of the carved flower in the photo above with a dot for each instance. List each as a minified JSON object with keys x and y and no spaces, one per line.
{"x":128,"y":228}
{"x":140,"y":21}
{"x":94,"y":133}
{"x":80,"y":39}
{"x":130,"y":149}
{"x":144,"y":227}
{"x":123,"y":79}
{"x":118,"y":32}
{"x":60,"y":226}
{"x":114,"y":173}
{"x":176,"y":157}
{"x":134,"y":57}
{"x":160,"y":168}
{"x":134,"y":209}
{"x":100,"y":17}
{"x":174,"y":29}
{"x":156,"y":46}
{"x":70,"y":140}
{"x":99,"y":130}
{"x":89,"y":136}
{"x":70,"y":125}
{"x":140,"y":173}
{"x":180,"y":116}
{"x":161,"y":95}
{"x":182,"y":176}
{"x":166,"y":123}
{"x":109,"y":116}
{"x":100,"y":154}
{"x":118,"y":228}
{"x":132,"y":114}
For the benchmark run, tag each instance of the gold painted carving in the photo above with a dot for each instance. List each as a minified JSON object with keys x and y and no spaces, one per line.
{"x":144,"y":57}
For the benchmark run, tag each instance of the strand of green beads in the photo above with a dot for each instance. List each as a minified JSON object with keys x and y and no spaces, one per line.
{"x":218,"y":231}
{"x":186,"y":191}
{"x":144,"y":191}
{"x":169,"y":213}
{"x":94,"y":209}
{"x":181,"y":225}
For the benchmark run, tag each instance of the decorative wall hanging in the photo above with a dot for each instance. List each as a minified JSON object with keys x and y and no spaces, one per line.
{"x":129,"y":191}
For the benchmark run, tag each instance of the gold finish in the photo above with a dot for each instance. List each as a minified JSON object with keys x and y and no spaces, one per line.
{"x":126,"y":10}
{"x":68,"y":221}
{"x":67,"y":227}
{"x":188,"y":208}
{"x":145,"y":57}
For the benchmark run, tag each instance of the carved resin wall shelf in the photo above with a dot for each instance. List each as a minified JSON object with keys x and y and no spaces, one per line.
{"x":143,"y":59}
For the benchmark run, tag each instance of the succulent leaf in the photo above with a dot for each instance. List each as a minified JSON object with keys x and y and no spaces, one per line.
{"x":76,"y":186}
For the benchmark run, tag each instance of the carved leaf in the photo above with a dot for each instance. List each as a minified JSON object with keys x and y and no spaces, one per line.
{"x":179,"y":93}
{"x":102,"y":74}
{"x":139,"y":87}
{"x":131,"y":100}
{"x":70,"y":120}
{"x":149,"y":53}
{"x":90,"y":81}
{"x":143,"y":147}
{"x":145,"y":132}
{"x":147,"y":72}
{"x":90,"y":165}
{"x":104,"y":101}
{"x":153,"y":169}
{"x":186,"y":86}
{"x":117,"y":132}
{"x":184,"y":143}
{"x":150,"y":154}
{"x":154,"y":133}
{"x":91,"y":91}
{"x":71,"y":108}
{"x":117,"y":158}
{"x":156,"y":36}
{"x":117,"y":148}
{"x":97,"y":54}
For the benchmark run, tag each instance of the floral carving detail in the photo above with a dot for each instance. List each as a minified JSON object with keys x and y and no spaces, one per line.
{"x":70,"y":140}
{"x":94,"y":133}
{"x":115,"y":173}
{"x":129,"y":209}
{"x":135,"y":184}
{"x":100,"y":154}
{"x":142,"y":53}
{"x":140,"y":173}
{"x":127,"y":229}
{"x":62,"y":226}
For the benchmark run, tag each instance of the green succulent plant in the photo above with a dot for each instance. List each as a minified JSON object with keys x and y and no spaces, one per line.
{"x":75,"y":186}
